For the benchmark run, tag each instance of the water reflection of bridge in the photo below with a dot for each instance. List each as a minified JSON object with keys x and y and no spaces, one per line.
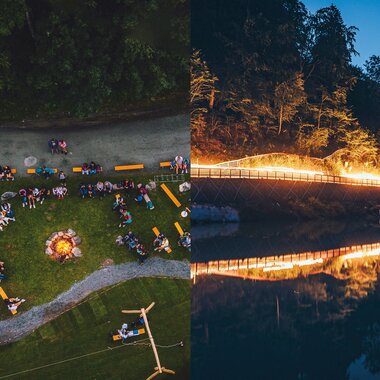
{"x":282,"y":262}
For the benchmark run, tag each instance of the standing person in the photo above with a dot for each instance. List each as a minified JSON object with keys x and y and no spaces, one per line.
{"x":62,"y":146}
{"x":100,"y":189}
{"x":62,"y":178}
{"x":24,"y":197}
{"x":53,"y":146}
{"x":142,"y":253}
{"x":178,"y":163}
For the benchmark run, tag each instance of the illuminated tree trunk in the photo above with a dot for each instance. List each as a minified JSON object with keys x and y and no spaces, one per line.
{"x":280,"y":121}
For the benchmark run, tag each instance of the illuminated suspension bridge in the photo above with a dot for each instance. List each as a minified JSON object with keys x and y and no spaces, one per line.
{"x":228,"y":182}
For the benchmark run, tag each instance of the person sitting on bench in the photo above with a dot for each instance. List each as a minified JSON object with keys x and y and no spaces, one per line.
{"x":185,"y":240}
{"x":85,"y":169}
{"x":92,"y":168}
{"x":124,"y":332}
{"x":161,"y":243}
{"x":13,"y":303}
{"x":7,"y":173}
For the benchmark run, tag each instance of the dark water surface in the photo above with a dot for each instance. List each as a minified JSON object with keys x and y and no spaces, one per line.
{"x":318,"y":326}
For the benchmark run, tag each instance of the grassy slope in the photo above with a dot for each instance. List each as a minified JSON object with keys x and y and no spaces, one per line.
{"x":85,"y":329}
{"x":34,"y":276}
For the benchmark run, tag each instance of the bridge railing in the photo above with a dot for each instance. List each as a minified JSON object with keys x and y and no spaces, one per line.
{"x":197,"y":171}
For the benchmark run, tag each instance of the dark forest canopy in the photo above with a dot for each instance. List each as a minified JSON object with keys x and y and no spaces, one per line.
{"x":80,"y":57}
{"x":281,"y":80}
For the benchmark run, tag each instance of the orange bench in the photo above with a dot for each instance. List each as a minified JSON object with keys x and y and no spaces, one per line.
{"x":170,"y":195}
{"x":164,"y":164}
{"x":5,"y":297}
{"x":135,"y":333}
{"x":179,"y":228}
{"x":129,"y":167}
{"x":157,"y":232}
{"x":13,"y":171}
{"x":77,"y":169}
{"x":33,"y":170}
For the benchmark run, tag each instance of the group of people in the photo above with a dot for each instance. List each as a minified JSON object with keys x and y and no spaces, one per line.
{"x":58,"y":146}
{"x":31,"y":196}
{"x":99,"y":189}
{"x":120,"y":207}
{"x":180,"y":165}
{"x":91,"y":168}
{"x":161,"y":243}
{"x":132,"y":242}
{"x":6,"y":214}
{"x":6,"y":173}
{"x":11,"y":303}
{"x":126,"y":330}
{"x":185,"y":241}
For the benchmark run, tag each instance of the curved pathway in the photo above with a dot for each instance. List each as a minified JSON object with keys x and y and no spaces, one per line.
{"x":15,"y":328}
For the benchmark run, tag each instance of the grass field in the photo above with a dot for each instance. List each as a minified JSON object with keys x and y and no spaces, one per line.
{"x":31,"y":274}
{"x":85,"y":329}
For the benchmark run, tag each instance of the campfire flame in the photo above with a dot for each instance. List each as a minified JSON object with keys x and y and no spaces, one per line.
{"x":63,"y":246}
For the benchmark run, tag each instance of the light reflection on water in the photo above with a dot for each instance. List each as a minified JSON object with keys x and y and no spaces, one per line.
{"x":313,"y":327}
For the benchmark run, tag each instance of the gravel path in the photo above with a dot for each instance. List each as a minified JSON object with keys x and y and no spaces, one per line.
{"x":136,"y":142}
{"x":15,"y":328}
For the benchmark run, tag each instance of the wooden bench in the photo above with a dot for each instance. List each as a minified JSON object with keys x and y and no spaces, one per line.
{"x":5,"y":297}
{"x":157,"y":232}
{"x":179,"y":228}
{"x":129,"y":167}
{"x":13,"y":171}
{"x":33,"y":170}
{"x":165,"y":164}
{"x":135,"y":333}
{"x":170,"y":195}
{"x":77,"y":169}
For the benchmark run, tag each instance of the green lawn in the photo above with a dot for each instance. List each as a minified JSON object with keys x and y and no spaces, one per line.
{"x":34,"y":276}
{"x":85,"y":329}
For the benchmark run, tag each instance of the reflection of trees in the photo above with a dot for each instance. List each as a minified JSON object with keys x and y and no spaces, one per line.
{"x":322,"y":330}
{"x":371,"y":347}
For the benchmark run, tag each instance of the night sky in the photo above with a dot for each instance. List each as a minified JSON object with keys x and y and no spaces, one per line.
{"x":364,"y":14}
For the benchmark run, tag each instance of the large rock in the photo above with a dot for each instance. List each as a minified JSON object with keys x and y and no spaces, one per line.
{"x":77,"y":240}
{"x":76,"y":252}
{"x":8,"y":195}
{"x":60,"y":233}
{"x":49,"y":251}
{"x":71,"y":232}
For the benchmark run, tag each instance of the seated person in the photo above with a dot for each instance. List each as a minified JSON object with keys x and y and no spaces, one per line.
{"x":108,"y":187}
{"x":24,"y":197}
{"x":83,"y":191}
{"x":13,"y":303}
{"x":6,"y":208}
{"x":124,"y":332}
{"x":62,"y":177}
{"x":85,"y":169}
{"x":91,"y":190}
{"x":92,"y":168}
{"x":185,"y":240}
{"x":161,"y":243}
{"x":130,"y":239}
{"x":99,"y":169}
{"x":43,"y":195}
{"x":179,"y":161}
{"x":100,"y":189}
{"x":127,"y":218}
{"x":31,"y":198}
{"x":7,"y":172}
{"x":2,"y":269}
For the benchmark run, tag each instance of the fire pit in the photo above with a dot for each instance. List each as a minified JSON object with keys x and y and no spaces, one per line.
{"x":63,"y":245}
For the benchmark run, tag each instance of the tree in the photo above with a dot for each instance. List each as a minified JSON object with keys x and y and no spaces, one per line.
{"x":288,"y":96}
{"x":202,"y":92}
